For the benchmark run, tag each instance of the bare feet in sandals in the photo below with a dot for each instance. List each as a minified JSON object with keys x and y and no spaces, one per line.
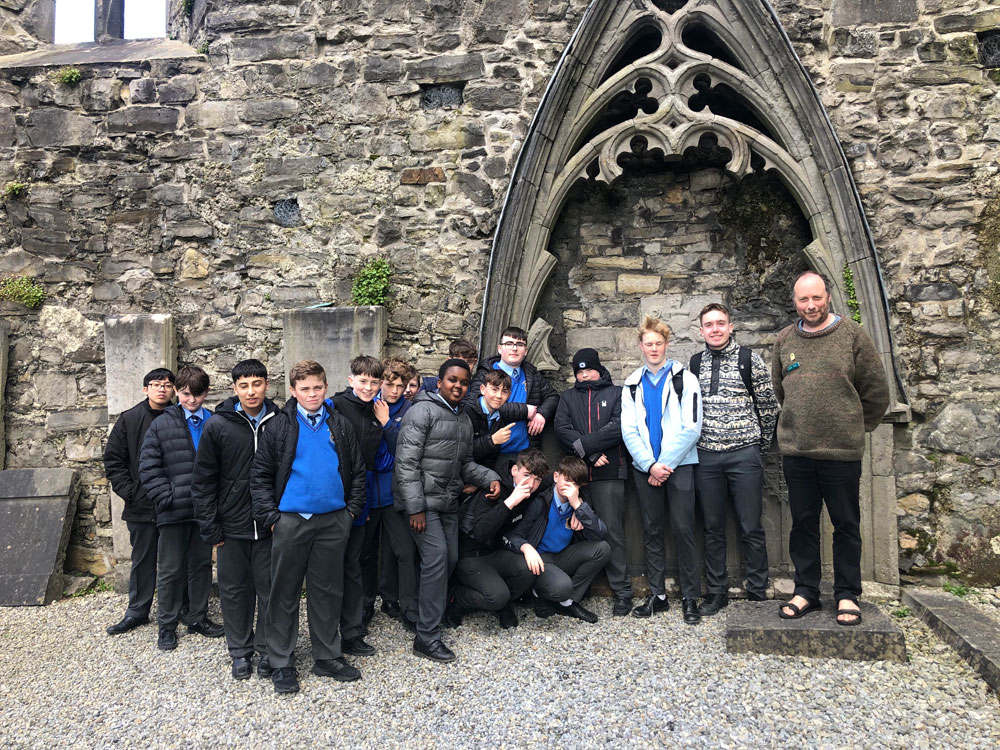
{"x":848,"y":612}
{"x":797,"y":607}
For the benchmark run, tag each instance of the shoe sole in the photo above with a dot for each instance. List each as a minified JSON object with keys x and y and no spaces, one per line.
{"x":164,"y":647}
{"x":286,"y":690}
{"x":242,"y":676}
{"x":360,"y":653}
{"x":422,"y":655}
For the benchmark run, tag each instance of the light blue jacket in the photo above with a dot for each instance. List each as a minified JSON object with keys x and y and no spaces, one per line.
{"x":681,"y":420}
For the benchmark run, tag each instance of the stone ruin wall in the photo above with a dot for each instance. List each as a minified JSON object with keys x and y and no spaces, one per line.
{"x":153,"y":184}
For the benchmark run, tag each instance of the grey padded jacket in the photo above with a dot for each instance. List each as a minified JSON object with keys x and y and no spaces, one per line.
{"x":434,"y":458}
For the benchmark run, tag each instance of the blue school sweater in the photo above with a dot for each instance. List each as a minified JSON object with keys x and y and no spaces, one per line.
{"x":314,"y":485}
{"x":558,"y":534}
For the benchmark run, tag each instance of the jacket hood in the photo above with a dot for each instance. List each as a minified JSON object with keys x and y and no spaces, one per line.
{"x":603,"y":382}
{"x":228,"y":406}
{"x":672,"y":366}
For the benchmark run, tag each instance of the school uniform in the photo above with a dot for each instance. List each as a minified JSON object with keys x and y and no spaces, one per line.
{"x":166,"y":467}
{"x":308,"y":483}
{"x":224,"y":512}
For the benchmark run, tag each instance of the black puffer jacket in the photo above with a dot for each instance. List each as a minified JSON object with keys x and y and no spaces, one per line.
{"x":272,"y":465}
{"x":434,"y":458}
{"x":539,"y":393}
{"x":166,"y":467}
{"x":589,"y":424}
{"x":121,"y":461}
{"x":221,"y":490}
{"x":361,"y":415}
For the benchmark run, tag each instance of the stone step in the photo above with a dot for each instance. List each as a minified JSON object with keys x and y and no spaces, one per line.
{"x":754,"y":627}
{"x":972,"y":633}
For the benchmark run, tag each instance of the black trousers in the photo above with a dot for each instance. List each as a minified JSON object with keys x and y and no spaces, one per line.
{"x":142,"y":578}
{"x":351,"y":612}
{"x":811,"y":482}
{"x":438,"y":547}
{"x":607,"y":498}
{"x":244,"y":570}
{"x":490,"y":581}
{"x":312,"y":549}
{"x":568,"y":574}
{"x":678,"y":491}
{"x":185,"y":566}
{"x":370,"y":552}
{"x":400,"y":565}
{"x":736,"y":475}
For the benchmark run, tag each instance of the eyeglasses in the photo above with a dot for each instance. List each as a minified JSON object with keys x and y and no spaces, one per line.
{"x":514,"y":344}
{"x":161,"y":386}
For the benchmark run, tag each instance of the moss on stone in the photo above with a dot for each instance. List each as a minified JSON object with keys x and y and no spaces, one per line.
{"x":988,"y":234}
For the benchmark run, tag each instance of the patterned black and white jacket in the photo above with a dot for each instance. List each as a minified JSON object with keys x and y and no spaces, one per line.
{"x":734,"y":418}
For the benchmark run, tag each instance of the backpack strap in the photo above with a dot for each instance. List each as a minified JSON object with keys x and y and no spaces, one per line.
{"x":746,"y":374}
{"x":678,"y":386}
{"x":695,"y":364}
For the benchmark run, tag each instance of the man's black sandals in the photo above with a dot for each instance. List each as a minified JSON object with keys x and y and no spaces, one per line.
{"x":810,"y":606}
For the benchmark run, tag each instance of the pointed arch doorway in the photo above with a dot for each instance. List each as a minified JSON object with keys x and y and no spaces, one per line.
{"x":679,"y":156}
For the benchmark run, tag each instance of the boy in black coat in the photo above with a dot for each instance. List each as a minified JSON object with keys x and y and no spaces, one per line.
{"x":489,"y":575}
{"x":562,"y":541}
{"x":532,"y":403}
{"x":589,"y":424}
{"x":483,"y":407}
{"x":367,"y":416}
{"x":166,"y":467}
{"x":121,"y":465}
{"x":223,"y":510}
{"x":307,"y":484}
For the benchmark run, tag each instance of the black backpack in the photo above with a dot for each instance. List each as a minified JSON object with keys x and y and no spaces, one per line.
{"x":746,"y":373}
{"x":678,"y":383}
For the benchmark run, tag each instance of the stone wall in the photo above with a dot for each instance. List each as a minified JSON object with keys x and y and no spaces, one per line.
{"x":390,"y":127}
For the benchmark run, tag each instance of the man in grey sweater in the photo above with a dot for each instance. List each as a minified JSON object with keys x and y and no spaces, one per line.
{"x":830,"y":382}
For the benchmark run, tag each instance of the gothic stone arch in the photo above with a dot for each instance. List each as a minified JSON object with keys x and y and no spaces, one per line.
{"x":643,"y":75}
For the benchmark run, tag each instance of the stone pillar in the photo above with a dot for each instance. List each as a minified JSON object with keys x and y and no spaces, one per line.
{"x":4,"y":332}
{"x":333,"y":336}
{"x":133,"y":345}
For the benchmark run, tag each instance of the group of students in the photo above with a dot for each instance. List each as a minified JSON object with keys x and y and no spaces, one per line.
{"x":434,"y":494}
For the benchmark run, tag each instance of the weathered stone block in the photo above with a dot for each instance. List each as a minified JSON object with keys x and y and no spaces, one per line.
{"x":383,"y":69}
{"x":37,"y":507}
{"x":144,"y":119}
{"x":507,"y":96}
{"x":972,"y":633}
{"x":754,"y":627}
{"x":4,"y":338}
{"x":446,"y":69}
{"x":48,"y":126}
{"x":211,"y":115}
{"x":865,"y":12}
{"x":422,"y":176}
{"x":278,"y":47}
{"x":76,"y":419}
{"x":967,"y":429}
{"x":635,"y":283}
{"x":266,"y":110}
{"x":333,"y":336}
{"x":8,"y":132}
{"x":982,"y":21}
{"x":475,"y":188}
{"x":55,"y":389}
{"x":182,"y":88}
{"x":134,"y":345}
{"x":142,"y":91}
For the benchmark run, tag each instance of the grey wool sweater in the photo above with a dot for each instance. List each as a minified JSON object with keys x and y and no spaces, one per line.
{"x":832,"y":389}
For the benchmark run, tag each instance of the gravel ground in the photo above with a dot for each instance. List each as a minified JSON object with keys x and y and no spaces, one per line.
{"x":987,"y":600}
{"x":554,"y":684}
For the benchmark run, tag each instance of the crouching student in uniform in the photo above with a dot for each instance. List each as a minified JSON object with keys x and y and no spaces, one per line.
{"x":307,"y":484}
{"x":433,"y":464}
{"x":357,"y":404}
{"x":398,"y":578}
{"x":224,"y":512}
{"x":489,"y":575}
{"x":562,"y":541}
{"x":589,"y":424}
{"x":166,"y":467}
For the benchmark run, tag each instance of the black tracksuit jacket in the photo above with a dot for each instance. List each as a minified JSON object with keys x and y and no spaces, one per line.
{"x":589,"y":423}
{"x":121,"y":461}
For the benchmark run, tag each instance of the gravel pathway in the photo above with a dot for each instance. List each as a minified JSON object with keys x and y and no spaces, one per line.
{"x":554,"y":684}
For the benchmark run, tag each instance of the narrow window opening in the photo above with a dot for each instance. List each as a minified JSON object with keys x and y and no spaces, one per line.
{"x":646,"y":41}
{"x":74,"y":21}
{"x":145,"y":19}
{"x":700,"y":39}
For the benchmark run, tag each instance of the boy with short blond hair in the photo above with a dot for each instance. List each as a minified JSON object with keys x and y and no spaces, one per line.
{"x":307,"y":484}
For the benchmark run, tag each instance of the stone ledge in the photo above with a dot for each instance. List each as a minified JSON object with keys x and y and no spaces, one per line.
{"x":754,"y":627}
{"x":962,"y":626}
{"x":96,"y":54}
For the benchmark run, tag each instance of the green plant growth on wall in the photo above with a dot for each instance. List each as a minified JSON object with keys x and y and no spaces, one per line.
{"x":188,"y":8}
{"x":15,"y":190}
{"x":371,"y":284}
{"x":22,"y":289}
{"x":852,"y":295}
{"x":989,"y":247}
{"x":68,"y":76}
